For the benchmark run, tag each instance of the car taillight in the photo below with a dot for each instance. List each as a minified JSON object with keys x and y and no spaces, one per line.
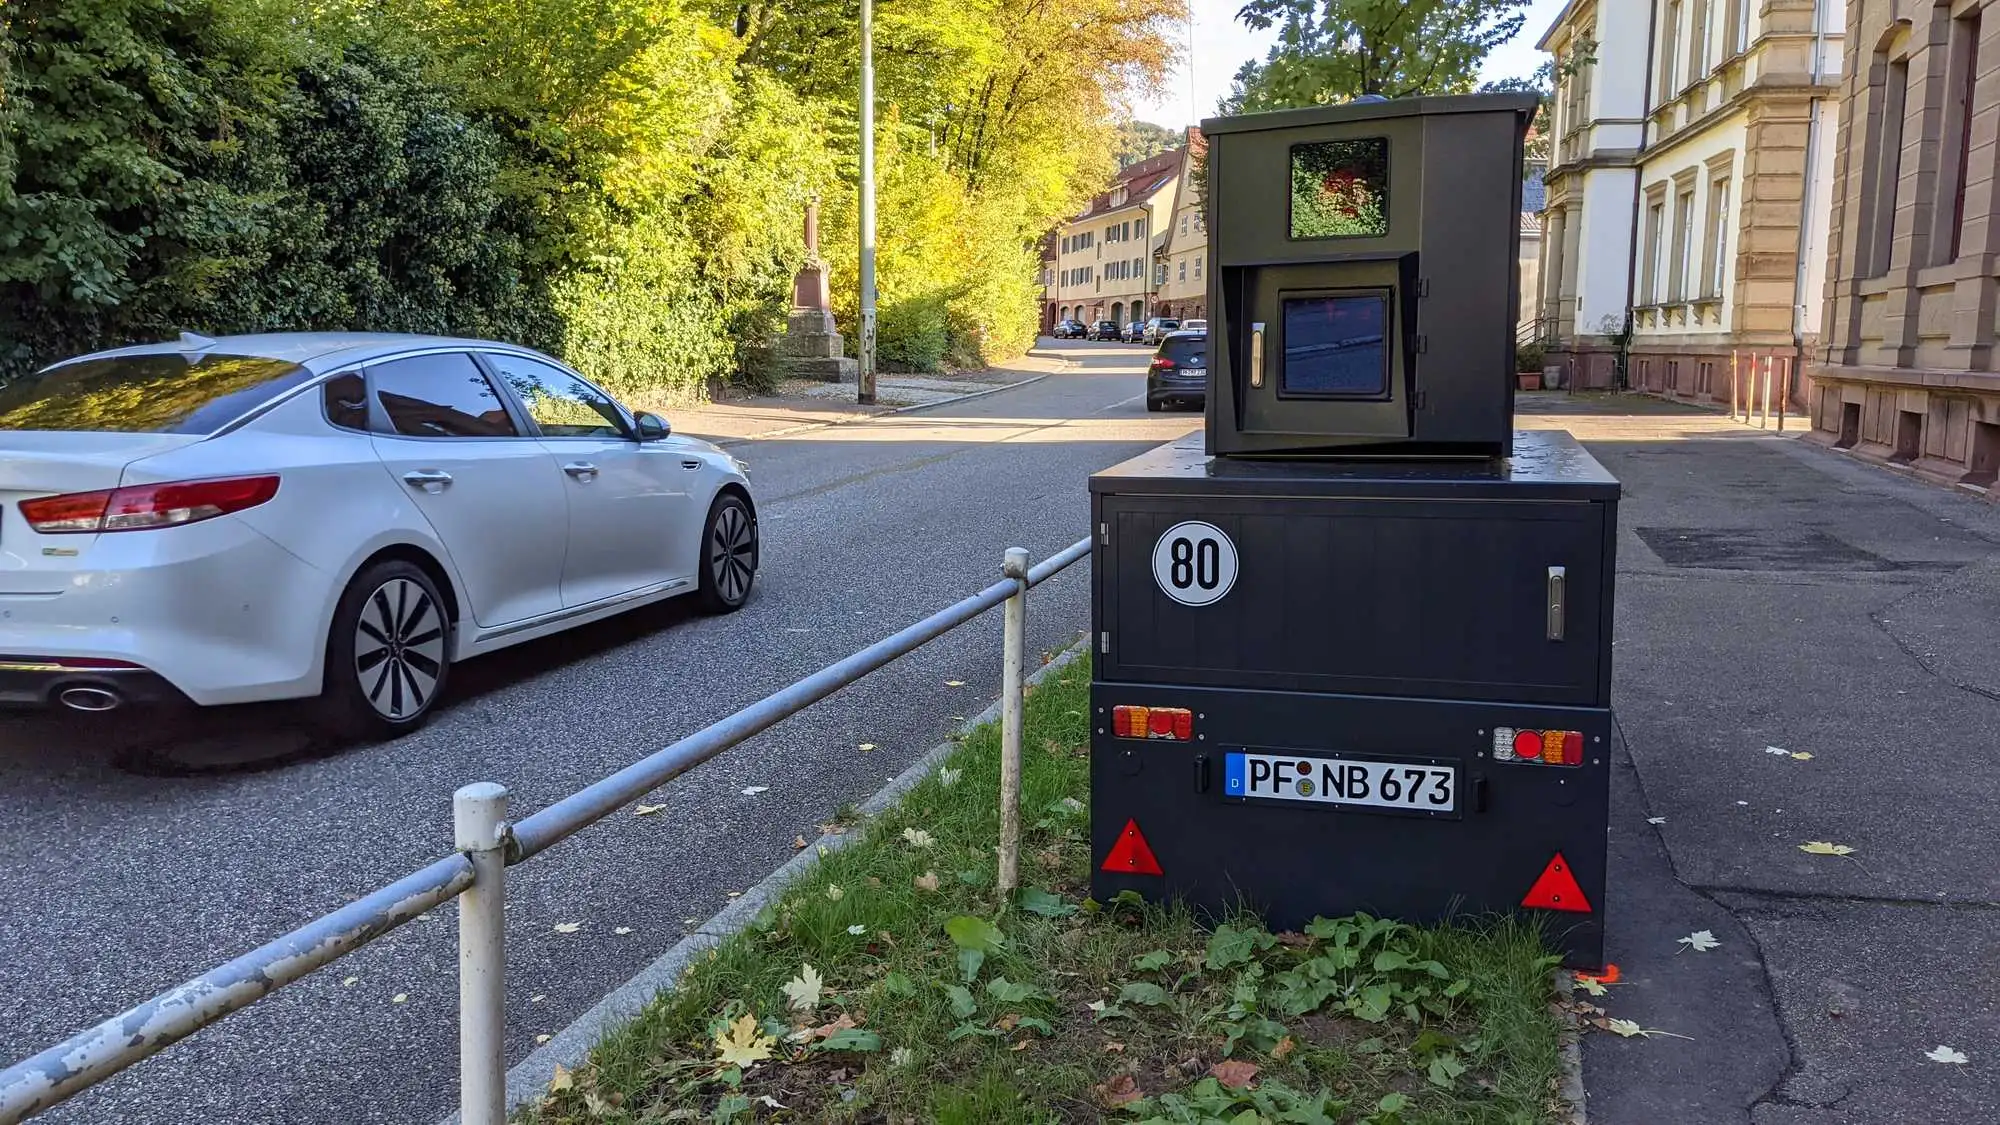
{"x":1550,"y":747}
{"x":1162,"y":363}
{"x":146,"y":506}
{"x":1175,"y":723}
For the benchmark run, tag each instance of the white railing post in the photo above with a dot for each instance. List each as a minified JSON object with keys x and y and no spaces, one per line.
{"x":1014,"y":566}
{"x":479,"y":818}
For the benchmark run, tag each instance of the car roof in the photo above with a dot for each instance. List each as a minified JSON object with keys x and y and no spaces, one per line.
{"x":1184,"y":336}
{"x":315,"y":351}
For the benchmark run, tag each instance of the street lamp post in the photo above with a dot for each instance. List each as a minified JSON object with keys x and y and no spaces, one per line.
{"x":865,"y":389}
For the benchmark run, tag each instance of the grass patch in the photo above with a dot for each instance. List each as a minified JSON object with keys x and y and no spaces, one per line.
{"x":891,"y":985}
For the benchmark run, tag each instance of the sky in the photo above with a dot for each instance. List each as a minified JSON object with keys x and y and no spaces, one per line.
{"x":1221,"y":45}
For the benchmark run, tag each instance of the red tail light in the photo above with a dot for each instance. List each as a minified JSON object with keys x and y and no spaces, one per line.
{"x":1176,"y":723}
{"x":1162,"y":363}
{"x":146,"y":506}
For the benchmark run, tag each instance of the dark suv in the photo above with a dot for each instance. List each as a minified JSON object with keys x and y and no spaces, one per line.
{"x":1103,"y":330}
{"x":1068,"y":330}
{"x":1179,"y":371}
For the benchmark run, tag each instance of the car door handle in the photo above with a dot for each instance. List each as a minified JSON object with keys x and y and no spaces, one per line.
{"x":432,"y":481}
{"x":581,"y":470}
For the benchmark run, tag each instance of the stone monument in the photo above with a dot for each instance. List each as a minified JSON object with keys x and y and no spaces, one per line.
{"x":810,"y":347}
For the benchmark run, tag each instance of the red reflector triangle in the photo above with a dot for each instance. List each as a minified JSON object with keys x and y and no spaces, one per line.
{"x":1557,"y":890}
{"x":1131,"y":855}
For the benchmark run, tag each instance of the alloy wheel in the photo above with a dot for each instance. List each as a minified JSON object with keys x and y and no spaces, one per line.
{"x":732,"y":550}
{"x":399,"y":649}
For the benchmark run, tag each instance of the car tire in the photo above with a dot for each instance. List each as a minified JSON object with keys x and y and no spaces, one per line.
{"x":388,"y":652}
{"x":1155,"y":406}
{"x":729,"y":550}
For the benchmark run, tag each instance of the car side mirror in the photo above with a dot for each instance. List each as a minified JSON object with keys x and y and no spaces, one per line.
{"x":651,"y":427}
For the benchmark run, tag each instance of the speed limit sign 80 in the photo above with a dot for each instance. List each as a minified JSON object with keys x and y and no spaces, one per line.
{"x":1194,"y":563}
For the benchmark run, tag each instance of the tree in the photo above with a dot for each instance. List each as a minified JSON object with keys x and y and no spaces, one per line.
{"x":1542,"y":85}
{"x":1332,"y":51}
{"x":1138,"y":140}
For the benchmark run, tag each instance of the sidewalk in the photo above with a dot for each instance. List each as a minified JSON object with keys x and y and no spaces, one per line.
{"x":1808,"y":650}
{"x":806,"y":404}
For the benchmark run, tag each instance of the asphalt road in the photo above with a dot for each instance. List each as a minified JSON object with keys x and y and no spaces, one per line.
{"x":119,"y":881}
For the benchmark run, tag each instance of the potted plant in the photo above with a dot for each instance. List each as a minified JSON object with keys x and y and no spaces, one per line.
{"x":1528,"y":366}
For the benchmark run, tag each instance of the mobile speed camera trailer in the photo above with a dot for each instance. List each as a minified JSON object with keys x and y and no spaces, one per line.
{"x":1353,"y":651}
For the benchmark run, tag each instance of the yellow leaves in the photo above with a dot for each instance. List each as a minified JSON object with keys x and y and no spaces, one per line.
{"x":647,"y":810}
{"x":568,"y":927}
{"x":866,"y":747}
{"x":1821,"y":847}
{"x":742,"y":1043}
{"x":917,"y":838}
{"x":399,"y":998}
{"x":802,"y":992}
{"x":954,"y":683}
{"x":1630,"y":1029}
{"x":834,"y":893}
{"x":1701,"y":941}
{"x":562,"y":1080}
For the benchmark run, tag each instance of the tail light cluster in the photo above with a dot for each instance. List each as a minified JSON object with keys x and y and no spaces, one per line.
{"x":1546,"y":747}
{"x":1163,"y":363}
{"x":1175,"y":723}
{"x":146,"y":506}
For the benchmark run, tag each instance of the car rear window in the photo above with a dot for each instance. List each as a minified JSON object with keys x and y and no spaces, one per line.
{"x":1188,"y":351}
{"x":162,"y":393}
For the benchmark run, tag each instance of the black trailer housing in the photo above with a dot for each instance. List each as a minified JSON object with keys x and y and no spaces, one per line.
{"x":1391,"y":613}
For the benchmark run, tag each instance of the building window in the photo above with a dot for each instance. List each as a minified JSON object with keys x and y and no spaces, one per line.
{"x":1718,"y":237}
{"x":1948,"y":214}
{"x":1656,"y":218}
{"x":1743,"y":24}
{"x":1884,"y":170}
{"x":1197,"y":265}
{"x":1139,"y":227}
{"x":1670,"y":53}
{"x":1698,"y":41}
{"x":1679,"y":284}
{"x":1183,"y":276}
{"x":1184,"y":220}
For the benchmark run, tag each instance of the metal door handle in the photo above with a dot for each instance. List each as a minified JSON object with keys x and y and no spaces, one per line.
{"x":430,"y":480}
{"x":581,"y":470}
{"x":1257,"y":354}
{"x":1558,"y":579}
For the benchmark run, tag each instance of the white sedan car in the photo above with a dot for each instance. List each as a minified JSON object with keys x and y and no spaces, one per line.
{"x":335,"y":516}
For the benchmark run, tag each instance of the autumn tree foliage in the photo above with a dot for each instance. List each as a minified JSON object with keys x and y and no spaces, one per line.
{"x":1331,"y":51}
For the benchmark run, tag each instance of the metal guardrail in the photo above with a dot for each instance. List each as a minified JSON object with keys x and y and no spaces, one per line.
{"x":476,"y":875}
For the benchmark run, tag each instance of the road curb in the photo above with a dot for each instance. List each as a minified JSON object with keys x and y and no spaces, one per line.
{"x":528,"y":1079}
{"x":808,"y":427}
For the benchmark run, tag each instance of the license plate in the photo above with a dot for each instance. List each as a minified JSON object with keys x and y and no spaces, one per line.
{"x":1421,"y":787}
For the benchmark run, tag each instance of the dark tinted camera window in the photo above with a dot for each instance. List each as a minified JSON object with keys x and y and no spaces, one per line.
{"x":1187,"y":351}
{"x":347,"y":401}
{"x":440,"y":396}
{"x":561,"y":404}
{"x":166,"y":393}
{"x":1336,"y":346}
{"x":1340,"y":189}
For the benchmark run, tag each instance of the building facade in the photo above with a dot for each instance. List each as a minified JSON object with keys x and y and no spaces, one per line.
{"x":1180,"y":267}
{"x":1104,"y":257}
{"x":1906,"y":370}
{"x":1690,"y":189}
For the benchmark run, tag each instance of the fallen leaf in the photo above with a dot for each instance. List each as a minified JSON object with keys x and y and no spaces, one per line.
{"x":857,"y":929}
{"x":349,"y":982}
{"x":1019,"y":1045}
{"x":928,"y":881}
{"x":834,"y":892}
{"x":1656,"y":820}
{"x":1701,"y":941}
{"x":798,"y":843}
{"x":1113,"y":1047}
{"x":1821,"y":847}
{"x":1803,"y":756}
{"x":1591,"y":986}
{"x":1944,"y":1054}
{"x":753,"y":790}
{"x":865,"y":747}
{"x":954,"y":683}
{"x":1072,"y":804}
{"x":562,"y":1080}
{"x":621,"y":930}
{"x":949,"y":778}
{"x":825,"y":1030}
{"x":733,"y":894}
{"x":741,"y":1043}
{"x":1234,"y":1073}
{"x":648,"y":810}
{"x":568,"y":927}
{"x":766,"y":1099}
{"x":1122,"y":1090}
{"x":1283,"y":1048}
{"x":1628,"y":1029}
{"x":399,"y":998}
{"x":802,"y":991}
{"x":1778,"y":750}
{"x":540,"y":1039}
{"x":537,"y":998}
{"x":917,"y":838}
{"x":900,"y":1057}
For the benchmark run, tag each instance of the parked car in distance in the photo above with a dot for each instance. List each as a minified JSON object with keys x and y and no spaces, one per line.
{"x":335,"y":516}
{"x":1179,"y":372}
{"x":1069,"y":330}
{"x":1133,"y":332}
{"x":1104,"y":330}
{"x":1196,"y":325}
{"x":1158,"y":327}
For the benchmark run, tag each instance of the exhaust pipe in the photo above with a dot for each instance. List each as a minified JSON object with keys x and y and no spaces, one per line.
{"x":89,"y":699}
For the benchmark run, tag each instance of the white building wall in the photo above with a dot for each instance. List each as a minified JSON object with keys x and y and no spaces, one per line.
{"x":1604,"y":247}
{"x":1726,"y":136}
{"x":1821,"y":187}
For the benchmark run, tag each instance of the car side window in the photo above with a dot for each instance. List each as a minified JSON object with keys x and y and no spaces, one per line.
{"x":444,"y":395}
{"x":562,"y":405}
{"x":346,"y":399}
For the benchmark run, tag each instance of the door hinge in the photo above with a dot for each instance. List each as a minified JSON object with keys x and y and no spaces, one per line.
{"x":1104,"y":642}
{"x":1104,"y":535}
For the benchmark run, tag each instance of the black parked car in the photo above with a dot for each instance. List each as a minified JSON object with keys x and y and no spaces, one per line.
{"x":1068,"y":330}
{"x":1179,"y":371}
{"x":1103,"y":330}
